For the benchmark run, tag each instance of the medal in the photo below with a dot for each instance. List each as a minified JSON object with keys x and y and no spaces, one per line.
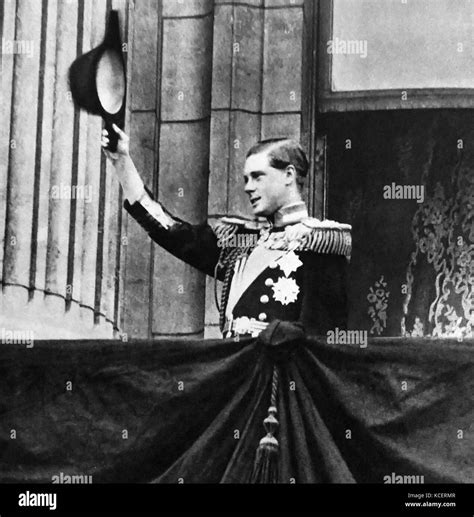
{"x":289,"y":263}
{"x":285,"y":290}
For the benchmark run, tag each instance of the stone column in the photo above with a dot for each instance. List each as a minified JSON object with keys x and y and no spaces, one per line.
{"x":184,"y":136}
{"x":170,"y":99}
{"x":60,"y":225}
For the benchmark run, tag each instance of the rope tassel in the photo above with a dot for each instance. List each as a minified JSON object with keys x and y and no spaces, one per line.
{"x":265,"y":468}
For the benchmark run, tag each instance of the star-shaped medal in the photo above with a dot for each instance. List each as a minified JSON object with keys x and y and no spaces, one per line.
{"x":285,"y":290}
{"x":289,"y":263}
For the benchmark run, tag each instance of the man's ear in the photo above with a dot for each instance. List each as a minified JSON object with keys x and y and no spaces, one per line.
{"x":291,"y":174}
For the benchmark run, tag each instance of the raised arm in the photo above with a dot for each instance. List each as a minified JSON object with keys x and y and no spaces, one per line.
{"x":196,"y":245}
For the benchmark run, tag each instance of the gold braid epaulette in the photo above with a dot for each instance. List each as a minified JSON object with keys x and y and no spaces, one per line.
{"x":224,"y":231}
{"x":329,"y":237}
{"x":225,"y":227}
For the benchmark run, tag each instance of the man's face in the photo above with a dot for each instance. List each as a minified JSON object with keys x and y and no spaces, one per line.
{"x":266,"y":187}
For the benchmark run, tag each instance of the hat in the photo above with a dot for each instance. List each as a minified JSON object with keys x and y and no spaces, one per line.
{"x":98,"y":82}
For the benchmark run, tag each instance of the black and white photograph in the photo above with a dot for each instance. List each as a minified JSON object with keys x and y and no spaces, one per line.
{"x":237,"y":248}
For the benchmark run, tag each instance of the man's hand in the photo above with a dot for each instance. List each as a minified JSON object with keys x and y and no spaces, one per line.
{"x":127,"y":174}
{"x":123,"y":149}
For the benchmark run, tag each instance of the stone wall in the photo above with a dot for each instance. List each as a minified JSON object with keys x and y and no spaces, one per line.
{"x":206,"y":79}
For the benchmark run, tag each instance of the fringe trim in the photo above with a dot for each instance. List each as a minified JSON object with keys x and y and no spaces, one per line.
{"x":328,"y":237}
{"x":333,"y":240}
{"x":224,"y":231}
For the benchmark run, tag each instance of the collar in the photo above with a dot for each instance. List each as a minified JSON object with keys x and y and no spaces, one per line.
{"x":289,"y":214}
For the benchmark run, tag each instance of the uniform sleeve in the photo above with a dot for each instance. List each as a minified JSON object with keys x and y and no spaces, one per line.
{"x":195,"y":244}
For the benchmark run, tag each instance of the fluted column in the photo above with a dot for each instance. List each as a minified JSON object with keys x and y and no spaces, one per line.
{"x":20,"y":175}
{"x":60,"y":226}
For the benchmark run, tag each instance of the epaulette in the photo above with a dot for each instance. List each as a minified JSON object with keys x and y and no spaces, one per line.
{"x":312,"y":222}
{"x":329,"y":237}
{"x":249,"y":224}
{"x":228,"y":226}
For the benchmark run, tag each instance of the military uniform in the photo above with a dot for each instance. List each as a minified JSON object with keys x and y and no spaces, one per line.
{"x":290,"y":269}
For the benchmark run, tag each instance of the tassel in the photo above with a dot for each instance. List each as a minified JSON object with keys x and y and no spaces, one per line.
{"x":265,"y":468}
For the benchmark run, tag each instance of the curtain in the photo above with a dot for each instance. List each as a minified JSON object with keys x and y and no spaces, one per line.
{"x":412,"y":266}
{"x":192,"y":411}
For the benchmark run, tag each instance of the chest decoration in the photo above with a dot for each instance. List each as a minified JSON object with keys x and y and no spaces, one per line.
{"x":289,"y":263}
{"x":285,"y":290}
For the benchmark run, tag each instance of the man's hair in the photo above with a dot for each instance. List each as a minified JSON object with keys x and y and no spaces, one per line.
{"x":281,"y":153}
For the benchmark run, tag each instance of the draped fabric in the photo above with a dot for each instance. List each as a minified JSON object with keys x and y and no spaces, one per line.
{"x":192,"y":412}
{"x":412,"y":267}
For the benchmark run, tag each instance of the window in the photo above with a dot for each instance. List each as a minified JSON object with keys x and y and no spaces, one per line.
{"x":395,"y":54}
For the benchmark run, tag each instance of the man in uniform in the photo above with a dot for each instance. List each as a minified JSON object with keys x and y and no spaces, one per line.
{"x":282,"y":277}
